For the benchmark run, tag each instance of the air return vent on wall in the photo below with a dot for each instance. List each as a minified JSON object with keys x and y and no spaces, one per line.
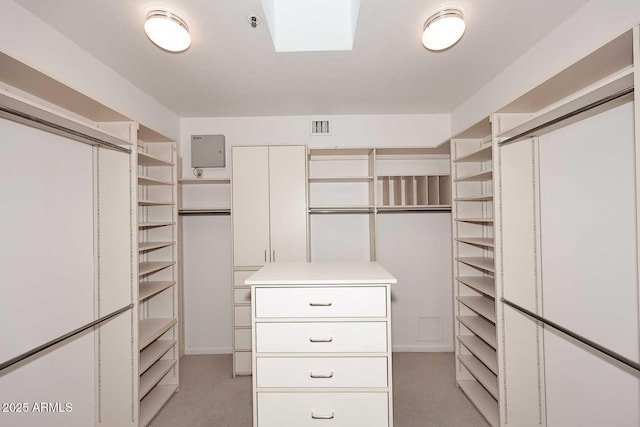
{"x":320,"y":127}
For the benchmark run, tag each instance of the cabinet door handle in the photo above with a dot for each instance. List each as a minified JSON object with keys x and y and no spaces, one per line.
{"x":329,"y":375}
{"x":322,"y":417}
{"x":274,"y":255}
{"x":265,"y":255}
{"x":320,"y":304}
{"x":311,"y":339}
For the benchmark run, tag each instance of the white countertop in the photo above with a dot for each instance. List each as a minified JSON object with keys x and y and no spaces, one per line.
{"x":321,"y":273}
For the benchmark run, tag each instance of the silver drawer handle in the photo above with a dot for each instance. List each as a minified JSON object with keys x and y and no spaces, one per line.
{"x":320,"y":304}
{"x":329,"y":375}
{"x":322,"y":417}
{"x":311,"y":339}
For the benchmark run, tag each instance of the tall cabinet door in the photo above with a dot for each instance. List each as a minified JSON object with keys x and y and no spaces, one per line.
{"x":250,"y":198}
{"x":288,"y":203}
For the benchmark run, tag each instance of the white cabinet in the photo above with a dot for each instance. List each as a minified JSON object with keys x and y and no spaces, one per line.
{"x":315,"y":361}
{"x":269,"y":224}
{"x":269,"y":205}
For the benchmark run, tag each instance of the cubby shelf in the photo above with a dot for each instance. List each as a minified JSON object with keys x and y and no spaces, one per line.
{"x":150,"y":246}
{"x":482,"y":328}
{"x":480,"y":198}
{"x":155,"y":203}
{"x":477,"y":241}
{"x":150,"y":267}
{"x":153,"y":375}
{"x":483,"y":176}
{"x":483,"y":284}
{"x":153,"y":352}
{"x":151,"y":288}
{"x":476,"y":220}
{"x":482,"y":400}
{"x":481,"y":350}
{"x":484,"y":306}
{"x":483,"y":263}
{"x":481,"y":373}
{"x":147,"y":180}
{"x":154,"y":401}
{"x":150,"y":329}
{"x":145,"y":159}
{"x":155,"y":224}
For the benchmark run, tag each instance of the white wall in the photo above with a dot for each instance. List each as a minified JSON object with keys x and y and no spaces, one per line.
{"x":592,"y":26}
{"x":206,"y":241}
{"x":33,"y":42}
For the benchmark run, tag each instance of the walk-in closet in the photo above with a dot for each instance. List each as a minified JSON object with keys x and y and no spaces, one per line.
{"x":320,"y":214}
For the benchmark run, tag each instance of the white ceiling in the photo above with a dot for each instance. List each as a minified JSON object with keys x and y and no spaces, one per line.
{"x":232,"y":70}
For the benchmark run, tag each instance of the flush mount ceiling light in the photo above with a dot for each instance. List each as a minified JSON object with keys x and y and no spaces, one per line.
{"x":443,"y":29}
{"x":167,"y":30}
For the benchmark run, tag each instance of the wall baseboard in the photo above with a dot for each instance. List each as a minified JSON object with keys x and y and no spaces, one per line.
{"x":192,"y":351}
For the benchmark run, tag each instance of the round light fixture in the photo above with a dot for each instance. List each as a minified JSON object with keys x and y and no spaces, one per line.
{"x":443,"y":29}
{"x":167,"y":30}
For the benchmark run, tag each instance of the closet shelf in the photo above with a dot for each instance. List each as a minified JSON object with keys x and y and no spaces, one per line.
{"x":155,"y":224}
{"x":480,"y":372}
{"x":150,"y":329}
{"x":484,"y":306}
{"x":153,"y":376}
{"x":154,"y":203}
{"x":476,"y":177}
{"x":190,"y":181}
{"x":481,"y":350}
{"x":145,"y":159}
{"x":482,"y":328}
{"x":154,"y":401}
{"x":476,"y":220}
{"x":149,"y":246}
{"x":483,"y":154}
{"x":482,"y":263}
{"x":483,"y":284}
{"x":415,"y":208}
{"x":150,"y":267}
{"x":482,"y":400}
{"x":202,"y":209}
{"x":341,"y":209}
{"x":153,"y":353}
{"x":341,"y":179}
{"x":151,"y":288}
{"x":147,"y":180}
{"x":480,"y":198}
{"x":477,"y":241}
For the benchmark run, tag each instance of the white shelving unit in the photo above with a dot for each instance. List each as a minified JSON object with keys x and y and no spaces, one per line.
{"x":474,"y":267}
{"x":158,"y":294}
{"x":215,"y":192}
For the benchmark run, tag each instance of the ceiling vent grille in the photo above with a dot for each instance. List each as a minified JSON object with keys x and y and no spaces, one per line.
{"x":320,"y":127}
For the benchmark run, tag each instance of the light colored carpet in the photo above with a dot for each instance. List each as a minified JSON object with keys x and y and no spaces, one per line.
{"x":425,"y":394}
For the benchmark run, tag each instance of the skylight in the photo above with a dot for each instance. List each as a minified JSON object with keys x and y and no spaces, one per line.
{"x":311,"y":25}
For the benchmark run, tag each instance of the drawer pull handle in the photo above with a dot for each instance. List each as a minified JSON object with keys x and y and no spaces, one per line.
{"x":329,"y":375}
{"x":330,"y":339}
{"x":322,"y":417}
{"x":320,"y":304}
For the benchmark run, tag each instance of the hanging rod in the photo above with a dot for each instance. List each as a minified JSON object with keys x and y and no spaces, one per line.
{"x":620,"y":358}
{"x":414,"y":210}
{"x":339,"y":211}
{"x":580,"y":110}
{"x":61,"y":338}
{"x":211,"y":212}
{"x":63,"y":129}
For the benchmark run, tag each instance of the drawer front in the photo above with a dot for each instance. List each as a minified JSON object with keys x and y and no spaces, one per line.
{"x":321,"y":337}
{"x":321,"y":302}
{"x":321,"y":372}
{"x":242,"y":296}
{"x":323,"y":409}
{"x":242,"y":315}
{"x":242,"y":339}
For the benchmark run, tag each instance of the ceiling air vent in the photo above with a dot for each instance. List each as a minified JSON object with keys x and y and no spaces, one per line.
{"x":320,"y":127}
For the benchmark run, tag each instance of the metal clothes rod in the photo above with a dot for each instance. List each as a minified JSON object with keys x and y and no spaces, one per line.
{"x":428,"y":210}
{"x":339,"y":211}
{"x":204,"y":213}
{"x":620,"y":358}
{"x":63,"y":129}
{"x":61,"y":338}
{"x":567,"y":116}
